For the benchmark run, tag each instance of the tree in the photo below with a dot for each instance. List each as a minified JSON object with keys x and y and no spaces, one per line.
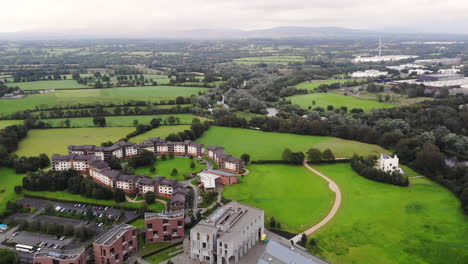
{"x":192,"y":165}
{"x":163,"y":157}
{"x":135,"y":122}
{"x":174,"y":172}
{"x":314,"y":155}
{"x":69,"y":230}
{"x":303,"y":240}
{"x":173,"y":137}
{"x":246,"y":158}
{"x":113,"y":162}
{"x":18,"y":189}
{"x":150,"y":197}
{"x":67,"y":123}
{"x":8,"y":256}
{"x":155,"y":122}
{"x":272,"y":222}
{"x":287,"y":154}
{"x":119,"y":195}
{"x":171,"y":155}
{"x":99,"y":121}
{"x":328,"y":155}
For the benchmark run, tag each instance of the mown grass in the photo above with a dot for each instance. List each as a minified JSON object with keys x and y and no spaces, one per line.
{"x":53,"y":84}
{"x":296,"y":197}
{"x":314,"y":84}
{"x":165,"y":167}
{"x":5,"y":123}
{"x":94,"y":96}
{"x":269,"y":145}
{"x":336,"y":100}
{"x":162,"y":132}
{"x":8,"y":180}
{"x":382,"y":223}
{"x":163,"y":256}
{"x":115,"y":121}
{"x":56,"y":141}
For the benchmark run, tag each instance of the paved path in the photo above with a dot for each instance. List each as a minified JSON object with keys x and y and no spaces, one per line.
{"x":415,"y":177}
{"x":336,"y":205}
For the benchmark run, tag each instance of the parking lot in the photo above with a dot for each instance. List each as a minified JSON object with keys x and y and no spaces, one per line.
{"x":35,"y":239}
{"x":78,"y":208}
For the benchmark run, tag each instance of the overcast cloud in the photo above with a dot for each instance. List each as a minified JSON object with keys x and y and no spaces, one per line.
{"x":145,"y":16}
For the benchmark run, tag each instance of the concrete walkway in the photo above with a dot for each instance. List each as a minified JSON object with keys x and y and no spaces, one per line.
{"x":336,"y":205}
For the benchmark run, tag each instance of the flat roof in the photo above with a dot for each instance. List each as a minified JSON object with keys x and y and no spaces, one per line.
{"x":113,"y":234}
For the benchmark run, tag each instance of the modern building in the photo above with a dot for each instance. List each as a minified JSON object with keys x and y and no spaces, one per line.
{"x":368,"y":74}
{"x":74,"y":161}
{"x":383,"y":58}
{"x":227,"y":234}
{"x":278,"y":252}
{"x":444,"y":61}
{"x":210,"y":178}
{"x":161,"y":227}
{"x":116,"y":245}
{"x":70,"y":256}
{"x":389,"y":164}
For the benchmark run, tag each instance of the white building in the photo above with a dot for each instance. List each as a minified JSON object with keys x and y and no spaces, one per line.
{"x":368,"y":73}
{"x":208,"y":179}
{"x":383,"y":58}
{"x":389,"y":164}
{"x":449,"y":71}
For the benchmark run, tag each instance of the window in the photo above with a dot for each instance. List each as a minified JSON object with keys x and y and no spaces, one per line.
{"x":117,"y":256}
{"x":179,"y":223}
{"x":150,"y":226}
{"x":130,"y":243}
{"x":112,"y":251}
{"x":164,"y":228}
{"x":165,"y":221}
{"x":155,"y":233}
{"x":204,"y":245}
{"x":198,"y":236}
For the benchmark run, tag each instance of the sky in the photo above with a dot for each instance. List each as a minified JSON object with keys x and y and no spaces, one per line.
{"x":150,"y":16}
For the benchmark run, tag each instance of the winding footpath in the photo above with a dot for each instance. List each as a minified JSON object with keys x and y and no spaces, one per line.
{"x":336,"y":205}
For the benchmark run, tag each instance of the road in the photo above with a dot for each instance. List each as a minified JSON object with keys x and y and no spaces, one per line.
{"x":336,"y":205}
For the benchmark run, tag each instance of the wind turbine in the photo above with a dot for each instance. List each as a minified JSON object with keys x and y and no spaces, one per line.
{"x":380,"y":47}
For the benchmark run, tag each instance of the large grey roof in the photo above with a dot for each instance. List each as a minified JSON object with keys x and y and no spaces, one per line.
{"x":113,"y":234}
{"x":277,"y":253}
{"x":173,"y":214}
{"x":69,"y":254}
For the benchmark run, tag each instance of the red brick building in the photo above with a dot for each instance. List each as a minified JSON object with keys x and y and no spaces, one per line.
{"x":160,"y":227}
{"x":116,"y":245}
{"x":72,"y":256}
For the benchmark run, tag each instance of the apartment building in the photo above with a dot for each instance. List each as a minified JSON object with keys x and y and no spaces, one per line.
{"x":71,"y":256}
{"x":79,"y":162}
{"x":116,"y":245}
{"x":227,"y":234}
{"x":161,"y":227}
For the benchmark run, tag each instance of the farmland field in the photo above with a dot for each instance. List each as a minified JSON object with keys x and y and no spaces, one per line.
{"x":325,"y":99}
{"x":162,"y":131}
{"x":55,"y":84}
{"x":56,"y":141}
{"x":90,"y":96}
{"x":296,"y":197}
{"x":164,"y":168}
{"x":314,"y":84}
{"x":270,"y":145}
{"x":5,"y":123}
{"x":422,"y":223}
{"x":270,"y":59}
{"x":114,"y":121}
{"x":8,"y":180}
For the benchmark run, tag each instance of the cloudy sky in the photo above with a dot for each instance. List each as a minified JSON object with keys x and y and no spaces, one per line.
{"x":144,"y":16}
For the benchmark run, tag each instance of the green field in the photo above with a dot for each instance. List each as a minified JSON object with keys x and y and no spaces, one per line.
{"x":8,"y":180}
{"x":269,"y":145}
{"x":5,"y":123}
{"x":162,"y":132}
{"x":164,"y":168}
{"x":56,"y":141}
{"x":65,"y":196}
{"x":314,"y":84}
{"x":382,"y":223}
{"x":93,"y":96}
{"x":325,"y":99}
{"x":164,"y":255}
{"x":42,"y":85}
{"x":270,"y":59}
{"x":114,"y":121}
{"x":160,"y":79}
{"x":292,"y":194}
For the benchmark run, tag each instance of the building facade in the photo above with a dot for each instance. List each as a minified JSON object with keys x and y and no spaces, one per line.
{"x":116,"y":245}
{"x":162,"y":227}
{"x":72,"y":256}
{"x":389,"y":164}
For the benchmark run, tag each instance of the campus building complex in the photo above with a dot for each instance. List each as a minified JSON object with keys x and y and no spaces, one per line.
{"x":211,"y":178}
{"x":161,"y":227}
{"x":116,"y":245}
{"x":71,"y":256}
{"x":227,"y":234}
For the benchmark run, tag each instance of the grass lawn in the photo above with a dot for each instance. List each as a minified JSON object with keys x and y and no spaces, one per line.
{"x":92,"y":96}
{"x":162,"y":256}
{"x":115,"y":121}
{"x":65,"y":196}
{"x":270,"y":59}
{"x":314,"y":84}
{"x":144,"y":248}
{"x":296,"y":197}
{"x":8,"y":180}
{"x":56,"y":141}
{"x":5,"y":123}
{"x":162,"y":131}
{"x":397,"y":99}
{"x":422,"y":223}
{"x":54,"y":84}
{"x":164,"y":168}
{"x":270,"y":145}
{"x":139,"y":223}
{"x":325,"y":99}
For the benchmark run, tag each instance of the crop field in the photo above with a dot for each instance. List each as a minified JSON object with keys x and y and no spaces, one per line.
{"x":114,"y":121}
{"x":8,"y":180}
{"x":162,"y":132}
{"x":270,"y":59}
{"x":314,"y":84}
{"x":69,"y":197}
{"x":164,"y":168}
{"x":422,"y":223}
{"x":56,"y":140}
{"x":336,"y":100}
{"x":270,"y":145}
{"x":91,"y":96}
{"x":296,"y":197}
{"x":5,"y":123}
{"x":53,"y":84}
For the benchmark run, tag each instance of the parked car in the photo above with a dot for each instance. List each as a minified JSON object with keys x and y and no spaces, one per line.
{"x":62,"y":238}
{"x":15,"y":234}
